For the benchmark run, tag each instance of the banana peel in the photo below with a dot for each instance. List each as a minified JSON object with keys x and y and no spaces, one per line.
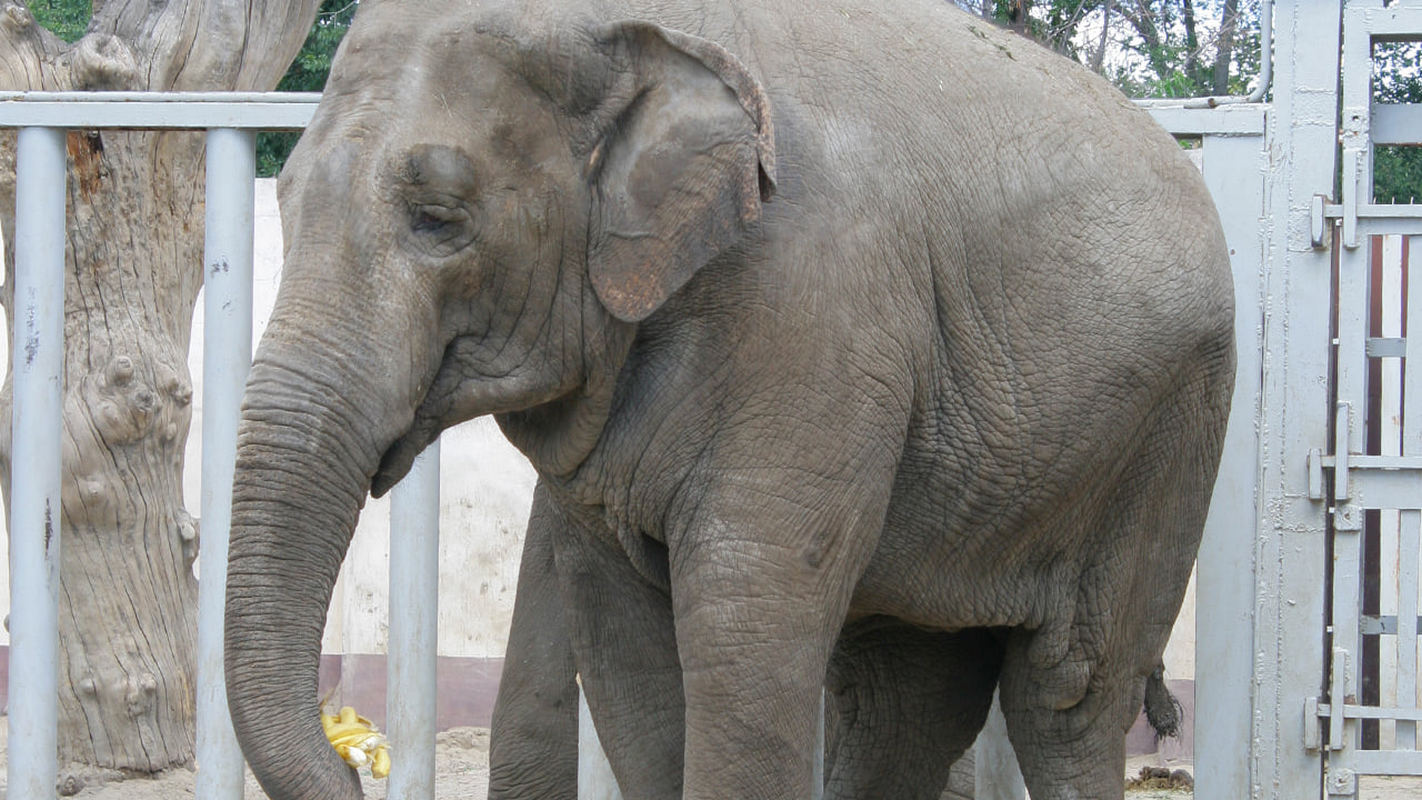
{"x":357,"y":741}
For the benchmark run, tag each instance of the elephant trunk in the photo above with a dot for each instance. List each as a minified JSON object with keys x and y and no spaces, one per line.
{"x":305,"y":454}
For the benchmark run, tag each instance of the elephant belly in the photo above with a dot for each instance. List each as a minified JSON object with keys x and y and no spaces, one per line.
{"x":984,"y":536}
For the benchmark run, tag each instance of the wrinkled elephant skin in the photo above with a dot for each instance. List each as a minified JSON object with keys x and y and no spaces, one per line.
{"x":856,"y":345}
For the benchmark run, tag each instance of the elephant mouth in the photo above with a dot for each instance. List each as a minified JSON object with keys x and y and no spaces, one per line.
{"x":399,"y":457}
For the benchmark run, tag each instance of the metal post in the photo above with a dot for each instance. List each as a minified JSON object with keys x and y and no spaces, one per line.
{"x":1290,"y":553}
{"x":38,"y":356}
{"x":227,"y":357}
{"x":996,"y":774}
{"x":817,"y":774}
{"x":595,"y":778}
{"x":1224,"y":614}
{"x":410,"y":703}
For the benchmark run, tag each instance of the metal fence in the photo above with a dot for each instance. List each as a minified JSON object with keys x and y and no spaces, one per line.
{"x":230,"y":121}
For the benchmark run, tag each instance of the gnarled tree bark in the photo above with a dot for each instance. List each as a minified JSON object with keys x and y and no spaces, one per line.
{"x":133,"y":268}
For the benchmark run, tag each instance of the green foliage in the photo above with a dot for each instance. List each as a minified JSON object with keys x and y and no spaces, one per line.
{"x":67,"y":19}
{"x":1151,"y":48}
{"x":1397,"y":78}
{"x":307,"y":74}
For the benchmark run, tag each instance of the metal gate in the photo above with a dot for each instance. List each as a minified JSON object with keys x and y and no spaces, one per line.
{"x":1363,"y":470}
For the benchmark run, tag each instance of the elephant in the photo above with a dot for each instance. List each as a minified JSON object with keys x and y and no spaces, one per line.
{"x":852,"y":342}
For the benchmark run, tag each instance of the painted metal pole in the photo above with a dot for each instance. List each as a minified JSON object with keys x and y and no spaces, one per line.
{"x":1226,"y":572}
{"x":38,"y":356}
{"x":410,"y":700}
{"x":997,"y":776}
{"x":227,"y":357}
{"x":817,"y":775}
{"x":595,"y":778}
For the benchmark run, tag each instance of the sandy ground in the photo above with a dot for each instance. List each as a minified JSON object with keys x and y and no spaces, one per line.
{"x":461,"y":756}
{"x":462,"y":759}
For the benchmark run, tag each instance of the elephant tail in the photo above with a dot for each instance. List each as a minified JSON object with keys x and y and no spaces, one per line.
{"x":1162,"y":710}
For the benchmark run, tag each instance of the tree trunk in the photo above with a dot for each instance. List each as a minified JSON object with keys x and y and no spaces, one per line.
{"x":1224,"y":50}
{"x":133,"y":268}
{"x":1192,"y":46}
{"x":1100,"y":55}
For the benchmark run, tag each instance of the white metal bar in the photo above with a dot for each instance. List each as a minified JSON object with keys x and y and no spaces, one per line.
{"x":1355,"y":711}
{"x":595,"y":778}
{"x":1389,"y":425}
{"x":1412,"y":360}
{"x":817,"y":775}
{"x":1225,"y":577}
{"x":227,"y":358}
{"x":1397,"y":123}
{"x":38,"y":356}
{"x":1386,"y":762}
{"x":1353,"y":279}
{"x":1395,"y":22}
{"x":183,"y":98}
{"x":996,"y":775}
{"x":1230,"y":120}
{"x":1407,"y":568}
{"x":1384,"y":487}
{"x":410,"y":702}
{"x":190,"y":110}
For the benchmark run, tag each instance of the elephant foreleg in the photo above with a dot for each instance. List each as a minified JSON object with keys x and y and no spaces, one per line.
{"x":623,"y":641}
{"x":533,"y":750}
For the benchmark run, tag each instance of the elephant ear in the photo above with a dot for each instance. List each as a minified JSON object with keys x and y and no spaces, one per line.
{"x":680,"y":169}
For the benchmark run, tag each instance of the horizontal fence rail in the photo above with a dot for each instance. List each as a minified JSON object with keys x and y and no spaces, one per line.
{"x":230,"y":118}
{"x":267,"y":111}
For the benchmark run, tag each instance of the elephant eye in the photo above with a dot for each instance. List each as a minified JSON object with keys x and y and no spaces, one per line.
{"x":430,"y":218}
{"x":441,"y":230}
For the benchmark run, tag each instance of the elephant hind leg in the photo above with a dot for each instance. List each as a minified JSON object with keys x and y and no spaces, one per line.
{"x":1137,"y":561}
{"x":904,"y":703}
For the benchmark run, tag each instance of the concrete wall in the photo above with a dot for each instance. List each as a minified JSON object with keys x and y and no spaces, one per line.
{"x":485,"y":488}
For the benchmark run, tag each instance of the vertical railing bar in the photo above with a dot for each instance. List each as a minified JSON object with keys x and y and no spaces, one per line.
{"x":1412,"y":362}
{"x":227,"y":358}
{"x":817,"y":773}
{"x":1352,"y":355}
{"x":996,"y":773}
{"x":37,"y":352}
{"x":1347,"y":543}
{"x":595,"y":778}
{"x":1407,"y":560}
{"x":410,"y":701}
{"x":1389,"y":424}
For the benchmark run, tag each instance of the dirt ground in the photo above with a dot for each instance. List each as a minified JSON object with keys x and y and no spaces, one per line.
{"x":461,"y":756}
{"x":462,"y":759}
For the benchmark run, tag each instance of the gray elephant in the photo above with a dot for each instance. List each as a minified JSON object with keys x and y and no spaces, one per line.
{"x":849,"y":339}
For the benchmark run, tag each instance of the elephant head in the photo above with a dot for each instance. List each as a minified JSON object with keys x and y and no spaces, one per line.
{"x":476,"y":220}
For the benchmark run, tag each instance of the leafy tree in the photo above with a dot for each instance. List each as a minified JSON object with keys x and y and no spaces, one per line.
{"x":307,"y":74}
{"x":67,"y":19}
{"x":1150,"y":48}
{"x":1397,"y":78}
